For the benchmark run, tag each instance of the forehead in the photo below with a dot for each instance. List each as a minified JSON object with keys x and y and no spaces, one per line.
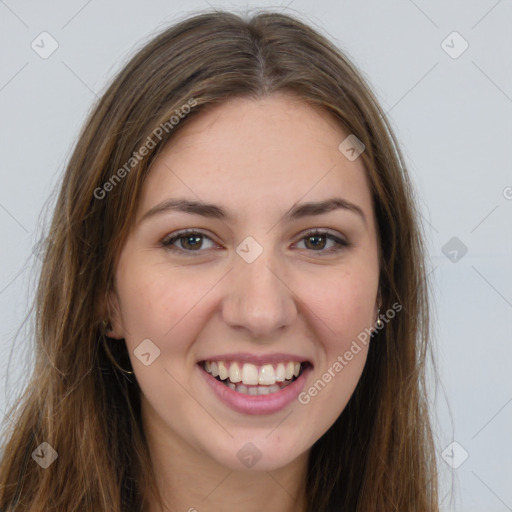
{"x":249,"y":154}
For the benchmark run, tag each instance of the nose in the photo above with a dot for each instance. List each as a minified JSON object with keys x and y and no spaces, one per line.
{"x":259,"y":298}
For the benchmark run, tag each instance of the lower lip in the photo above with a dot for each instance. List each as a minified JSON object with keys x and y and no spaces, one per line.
{"x":257,"y":404}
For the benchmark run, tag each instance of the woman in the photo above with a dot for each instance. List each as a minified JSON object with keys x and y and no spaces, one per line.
{"x":232,"y":309}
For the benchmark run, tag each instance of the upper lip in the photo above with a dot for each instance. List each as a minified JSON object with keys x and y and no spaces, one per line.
{"x":257,"y":359}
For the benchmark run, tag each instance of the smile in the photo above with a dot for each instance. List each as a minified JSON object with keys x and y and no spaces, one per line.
{"x":252,"y":385}
{"x":249,"y":379}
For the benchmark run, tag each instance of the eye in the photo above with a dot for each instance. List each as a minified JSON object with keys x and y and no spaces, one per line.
{"x":317,"y":239}
{"x":189,"y":241}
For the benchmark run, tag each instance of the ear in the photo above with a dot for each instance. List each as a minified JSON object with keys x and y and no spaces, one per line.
{"x":112,"y":313}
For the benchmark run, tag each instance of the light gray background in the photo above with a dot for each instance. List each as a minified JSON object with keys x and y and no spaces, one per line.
{"x":453,"y":117}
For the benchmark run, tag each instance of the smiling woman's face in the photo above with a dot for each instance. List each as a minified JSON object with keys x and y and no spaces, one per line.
{"x":251,"y":286}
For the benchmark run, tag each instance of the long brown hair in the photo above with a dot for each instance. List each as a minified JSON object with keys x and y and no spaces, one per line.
{"x":379,"y":454}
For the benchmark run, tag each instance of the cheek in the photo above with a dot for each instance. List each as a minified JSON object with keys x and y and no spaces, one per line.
{"x":344,"y":301}
{"x":344,"y":318}
{"x":161,"y":304}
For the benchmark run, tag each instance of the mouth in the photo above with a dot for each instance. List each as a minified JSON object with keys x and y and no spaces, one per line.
{"x":252,"y":379}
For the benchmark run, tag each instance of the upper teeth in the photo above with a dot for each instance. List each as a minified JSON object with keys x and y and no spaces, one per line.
{"x":250,"y":374}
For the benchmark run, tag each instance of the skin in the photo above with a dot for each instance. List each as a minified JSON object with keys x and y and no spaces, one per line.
{"x":256,"y":159}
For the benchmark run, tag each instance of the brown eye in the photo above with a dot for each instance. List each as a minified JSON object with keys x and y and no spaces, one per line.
{"x":316,"y":241}
{"x":188,"y":242}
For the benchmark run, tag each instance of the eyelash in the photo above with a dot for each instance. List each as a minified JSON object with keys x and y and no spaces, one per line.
{"x":168,"y":241}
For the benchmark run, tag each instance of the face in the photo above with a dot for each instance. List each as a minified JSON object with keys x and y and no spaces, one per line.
{"x":266,"y":284}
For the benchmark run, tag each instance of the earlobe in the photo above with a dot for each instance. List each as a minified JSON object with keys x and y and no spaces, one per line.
{"x":378,"y":305}
{"x":379,"y":323}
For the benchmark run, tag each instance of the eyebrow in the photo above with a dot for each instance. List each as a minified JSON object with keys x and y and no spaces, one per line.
{"x":213,"y":211}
